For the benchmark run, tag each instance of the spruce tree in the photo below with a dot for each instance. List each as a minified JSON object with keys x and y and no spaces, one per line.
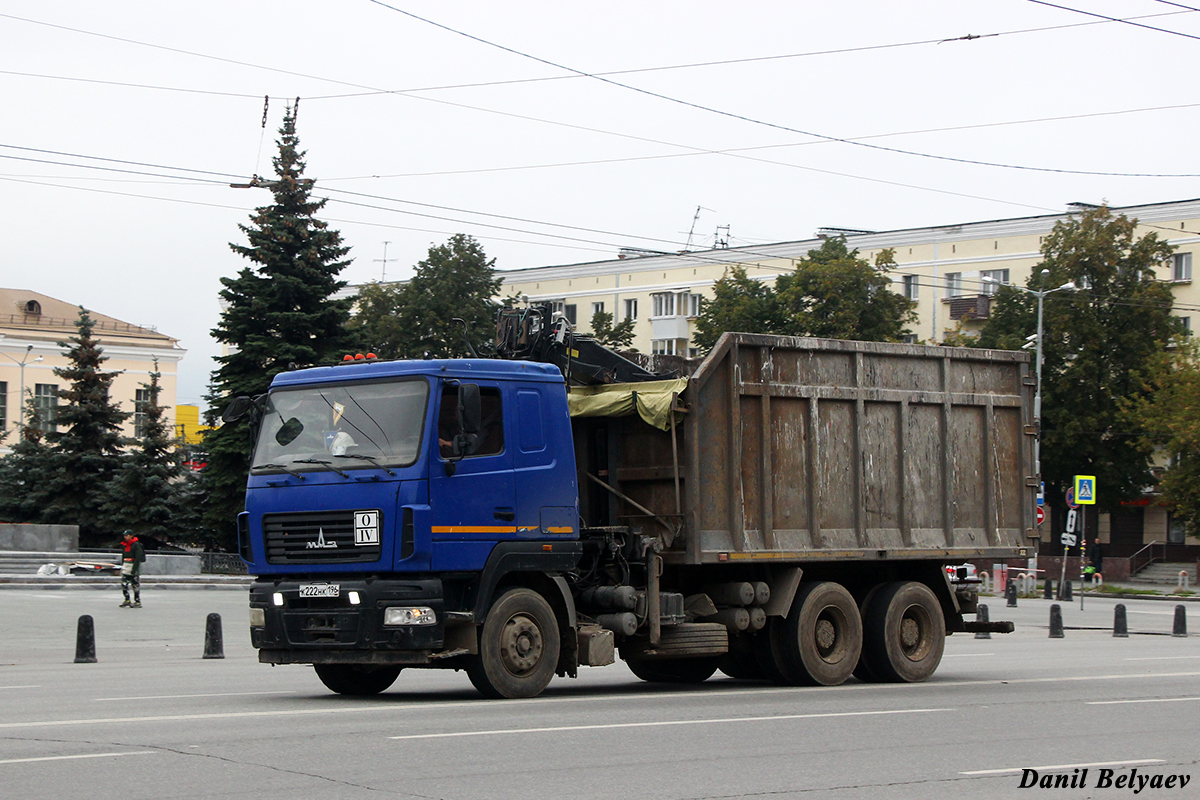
{"x":86,"y":447}
{"x":142,"y":496}
{"x":25,"y":471}
{"x":278,"y":311}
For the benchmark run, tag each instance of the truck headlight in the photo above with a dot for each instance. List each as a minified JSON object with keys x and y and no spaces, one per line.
{"x":258,"y":618}
{"x":409,"y":615}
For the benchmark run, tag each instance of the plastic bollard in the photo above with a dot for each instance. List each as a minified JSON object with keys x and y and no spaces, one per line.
{"x":1056,"y":622}
{"x":982,"y":616}
{"x":214,"y":647}
{"x":1010,"y":594}
{"x":1180,"y":628}
{"x":1066,"y":591}
{"x":1120,"y":623}
{"x":1048,"y":591}
{"x":85,"y":641}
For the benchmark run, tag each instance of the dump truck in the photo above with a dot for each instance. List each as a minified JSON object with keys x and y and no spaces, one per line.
{"x":783,"y":513}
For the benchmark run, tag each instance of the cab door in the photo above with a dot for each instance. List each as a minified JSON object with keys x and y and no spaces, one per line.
{"x":471,"y":493}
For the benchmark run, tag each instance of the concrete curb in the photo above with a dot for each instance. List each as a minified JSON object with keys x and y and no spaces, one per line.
{"x":70,"y":582}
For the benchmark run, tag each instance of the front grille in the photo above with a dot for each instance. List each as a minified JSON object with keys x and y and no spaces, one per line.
{"x":315,"y":538}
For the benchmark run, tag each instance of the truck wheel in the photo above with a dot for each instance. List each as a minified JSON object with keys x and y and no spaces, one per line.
{"x":863,"y":670}
{"x":518,"y":647}
{"x":768,"y":651}
{"x":741,"y":662}
{"x":905,"y":633}
{"x":822,"y":635}
{"x":356,"y":679}
{"x":674,"y":670}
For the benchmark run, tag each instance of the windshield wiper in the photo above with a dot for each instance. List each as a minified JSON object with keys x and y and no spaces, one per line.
{"x":366,"y":458}
{"x":283,"y":467}
{"x":323,"y":463}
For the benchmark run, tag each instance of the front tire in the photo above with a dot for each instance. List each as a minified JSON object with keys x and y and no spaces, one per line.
{"x":355,"y":679}
{"x":905,"y":633}
{"x":518,"y":647}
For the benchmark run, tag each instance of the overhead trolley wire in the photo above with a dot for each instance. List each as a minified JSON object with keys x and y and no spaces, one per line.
{"x":774,"y":125}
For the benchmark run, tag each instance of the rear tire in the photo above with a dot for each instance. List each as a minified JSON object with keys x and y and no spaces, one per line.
{"x":822,"y":636}
{"x":905,"y":633}
{"x":356,"y":679}
{"x":741,"y":662}
{"x":518,"y":647}
{"x":674,"y":670}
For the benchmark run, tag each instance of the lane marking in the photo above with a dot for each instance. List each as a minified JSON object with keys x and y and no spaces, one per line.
{"x":639,"y":697}
{"x":670,"y":723}
{"x":1146,"y":700}
{"x":69,"y":758}
{"x":30,"y":686}
{"x":966,"y":655}
{"x":1008,"y":770}
{"x":1160,"y":658}
{"x":184,"y":696}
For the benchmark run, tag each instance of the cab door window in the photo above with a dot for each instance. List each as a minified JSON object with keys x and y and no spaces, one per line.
{"x":490,"y":438}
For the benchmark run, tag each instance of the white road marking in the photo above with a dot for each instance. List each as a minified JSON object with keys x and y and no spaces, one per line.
{"x":965,"y":655}
{"x":669,"y":723}
{"x":30,"y":686}
{"x":1161,"y":658}
{"x":394,"y":707}
{"x":184,"y":696}
{"x":86,"y":755}
{"x":1007,"y":770}
{"x":1146,"y":700}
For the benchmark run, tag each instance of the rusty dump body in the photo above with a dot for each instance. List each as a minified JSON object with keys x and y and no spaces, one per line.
{"x":815,"y":450}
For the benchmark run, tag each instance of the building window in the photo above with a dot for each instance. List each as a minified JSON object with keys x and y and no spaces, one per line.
{"x":910,"y":287}
{"x":597,"y":308}
{"x":992,"y":278}
{"x":140,"y":402}
{"x":33,"y":308}
{"x":668,"y":347}
{"x":693,"y":304}
{"x":1181,"y":267}
{"x":909,"y":338}
{"x":664,"y":304}
{"x":45,"y":400}
{"x":953,"y":284}
{"x":568,"y":310}
{"x":631,"y":308}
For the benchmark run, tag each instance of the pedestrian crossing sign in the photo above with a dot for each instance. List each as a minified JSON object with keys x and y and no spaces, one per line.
{"x":1085,"y":490}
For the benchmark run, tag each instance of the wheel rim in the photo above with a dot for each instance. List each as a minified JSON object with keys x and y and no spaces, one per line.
{"x":828,"y":635}
{"x":916,"y":639}
{"x":521,"y":645}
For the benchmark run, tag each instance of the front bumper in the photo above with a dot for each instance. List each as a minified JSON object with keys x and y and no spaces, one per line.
{"x":333,"y":630}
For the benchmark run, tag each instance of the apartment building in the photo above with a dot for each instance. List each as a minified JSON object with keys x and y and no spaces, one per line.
{"x":951,"y":271}
{"x":31,"y":326}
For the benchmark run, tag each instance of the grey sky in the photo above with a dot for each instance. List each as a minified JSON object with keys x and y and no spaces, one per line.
{"x":403,"y":112}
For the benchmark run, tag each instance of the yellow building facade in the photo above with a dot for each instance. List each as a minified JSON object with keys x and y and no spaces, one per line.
{"x":943,"y":268}
{"x":32,"y":325}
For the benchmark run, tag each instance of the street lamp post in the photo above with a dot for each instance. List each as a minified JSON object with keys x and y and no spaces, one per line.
{"x":1037,"y":395}
{"x":21,"y":363}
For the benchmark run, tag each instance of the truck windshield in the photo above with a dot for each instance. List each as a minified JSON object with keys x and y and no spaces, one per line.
{"x":348,"y":426}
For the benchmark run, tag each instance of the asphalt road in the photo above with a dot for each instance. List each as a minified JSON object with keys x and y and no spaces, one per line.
{"x":152,"y":719}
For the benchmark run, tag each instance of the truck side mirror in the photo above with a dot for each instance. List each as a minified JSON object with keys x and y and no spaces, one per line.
{"x":236,"y":409}
{"x":470,"y":415}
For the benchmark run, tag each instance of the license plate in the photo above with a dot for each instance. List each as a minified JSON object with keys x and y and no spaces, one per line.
{"x":320,"y":590}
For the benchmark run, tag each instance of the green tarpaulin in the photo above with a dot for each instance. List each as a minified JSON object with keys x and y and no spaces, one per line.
{"x":651,"y":400}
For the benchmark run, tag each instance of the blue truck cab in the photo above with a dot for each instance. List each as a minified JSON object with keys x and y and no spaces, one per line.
{"x":382,"y":523}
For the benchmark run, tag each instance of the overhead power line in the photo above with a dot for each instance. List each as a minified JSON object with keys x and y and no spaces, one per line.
{"x":774,"y":125}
